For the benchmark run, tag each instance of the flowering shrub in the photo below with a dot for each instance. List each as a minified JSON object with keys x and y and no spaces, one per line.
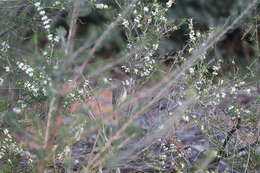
{"x":13,"y":154}
{"x":188,"y":108}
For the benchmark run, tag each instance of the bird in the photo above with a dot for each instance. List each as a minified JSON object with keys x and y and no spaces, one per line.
{"x":119,"y":95}
{"x":105,"y":105}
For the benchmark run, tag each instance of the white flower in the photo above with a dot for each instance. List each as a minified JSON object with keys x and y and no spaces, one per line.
{"x":44,"y":18}
{"x":198,"y":34}
{"x":146,"y":9}
{"x":169,"y":3}
{"x":45,"y":82}
{"x":215,"y":73}
{"x":86,"y":83}
{"x":1,"y":81}
{"x":39,"y":8}
{"x":191,"y":70}
{"x":20,"y":65}
{"x":50,"y":36}
{"x":29,"y":70}
{"x":23,"y":105}
{"x":137,"y":19}
{"x":37,"y":4}
{"x":101,"y":6}
{"x":149,"y":20}
{"x":67,"y":149}
{"x":164,"y":19}
{"x":56,"y":38}
{"x":147,"y":58}
{"x":203,"y":57}
{"x":233,"y":90}
{"x":230,"y":107}
{"x":125,"y":23}
{"x":44,"y":91}
{"x":17,"y":110}
{"x":105,"y":80}
{"x":7,"y":69}
{"x":27,"y":84}
{"x":242,"y":83}
{"x":24,"y":67}
{"x":186,"y":118}
{"x":126,"y":82}
{"x":46,"y":22}
{"x":42,"y":12}
{"x":216,"y":68}
{"x":81,"y":91}
{"x":47,"y":26}
{"x":35,"y":90}
{"x":155,"y":46}
{"x":6,"y":131}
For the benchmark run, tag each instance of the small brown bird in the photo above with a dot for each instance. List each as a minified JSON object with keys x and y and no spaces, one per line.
{"x":105,"y":106}
{"x":119,"y":95}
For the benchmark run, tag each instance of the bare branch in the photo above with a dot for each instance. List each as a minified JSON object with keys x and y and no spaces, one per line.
{"x":73,"y":27}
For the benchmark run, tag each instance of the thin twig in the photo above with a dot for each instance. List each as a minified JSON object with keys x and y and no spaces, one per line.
{"x":49,"y":121}
{"x":73,"y":27}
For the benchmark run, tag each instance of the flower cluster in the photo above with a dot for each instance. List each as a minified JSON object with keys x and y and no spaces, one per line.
{"x":26,"y":68}
{"x":77,"y":94}
{"x":46,"y":21}
{"x":148,"y":67}
{"x":38,"y":83}
{"x":216,"y":68}
{"x":170,"y":154}
{"x":33,"y":88}
{"x":194,"y":36}
{"x":169,"y":3}
{"x":59,"y":4}
{"x":3,"y":49}
{"x":5,"y":46}
{"x":149,"y":18}
{"x":101,"y":6}
{"x":192,"y":32}
{"x":8,"y":146}
{"x":143,"y":67}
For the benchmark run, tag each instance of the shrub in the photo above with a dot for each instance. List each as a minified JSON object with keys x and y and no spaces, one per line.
{"x":129,"y":86}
